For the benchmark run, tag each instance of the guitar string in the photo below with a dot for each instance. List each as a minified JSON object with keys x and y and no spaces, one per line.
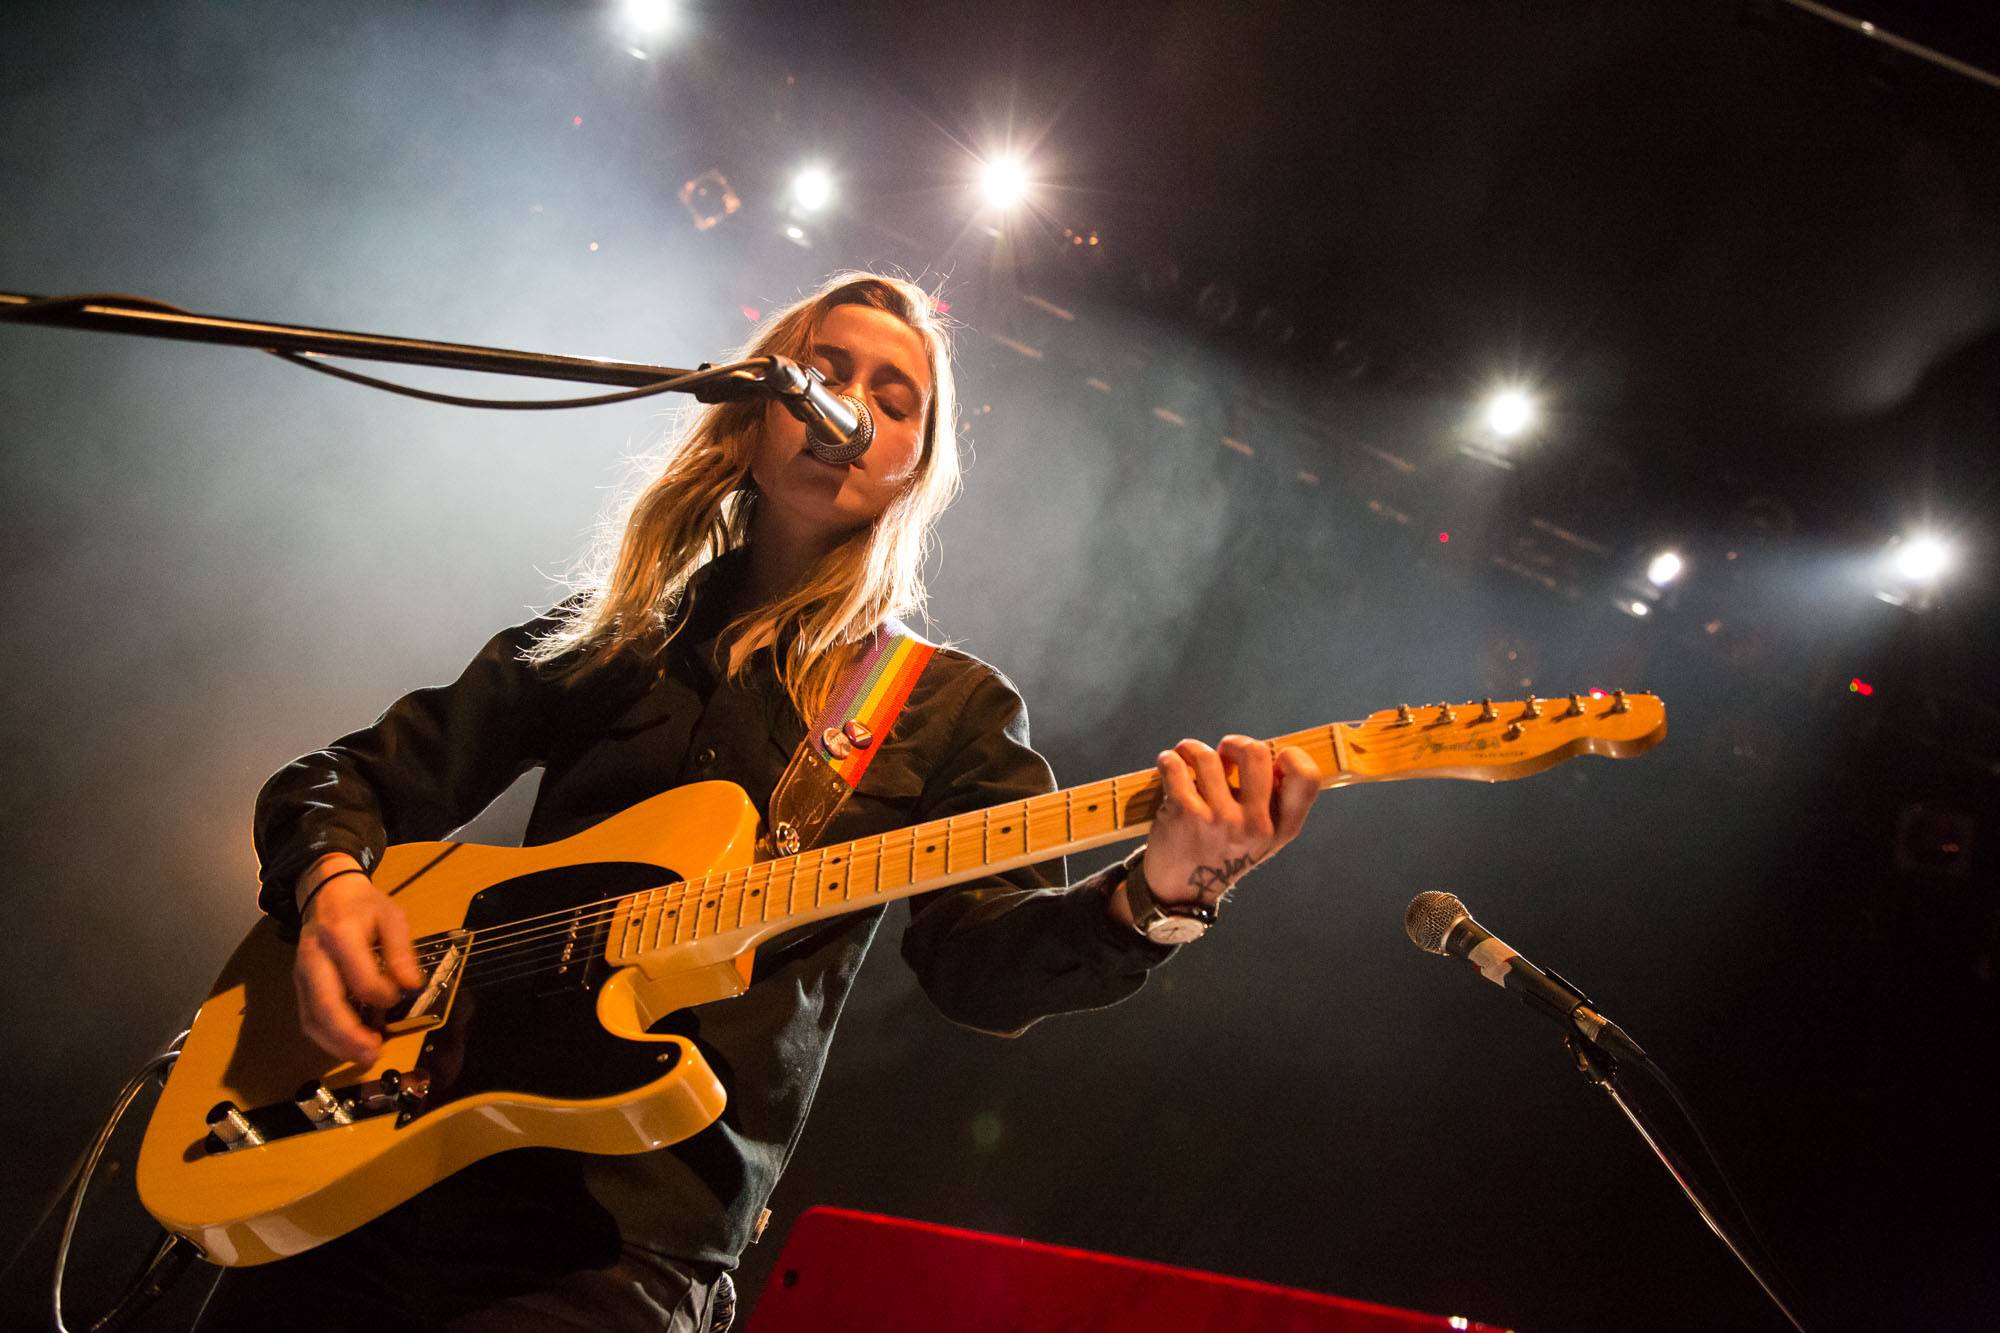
{"x":800,"y":860}
{"x":532,"y":947}
{"x":733,"y":905}
{"x":559,"y":924}
{"x":664,"y":898}
{"x":547,"y":956}
{"x":536,"y":949}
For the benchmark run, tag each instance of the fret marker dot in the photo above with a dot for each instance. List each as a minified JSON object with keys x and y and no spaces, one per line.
{"x":833,"y":886}
{"x":931,"y":848}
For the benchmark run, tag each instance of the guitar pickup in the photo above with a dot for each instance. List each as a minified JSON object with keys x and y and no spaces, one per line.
{"x":430,"y":1004}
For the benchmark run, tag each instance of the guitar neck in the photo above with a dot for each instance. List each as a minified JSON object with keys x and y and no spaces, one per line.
{"x":776,"y":895}
{"x":1484,"y":741}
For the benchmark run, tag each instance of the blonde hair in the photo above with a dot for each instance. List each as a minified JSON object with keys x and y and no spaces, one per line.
{"x":699,"y":506}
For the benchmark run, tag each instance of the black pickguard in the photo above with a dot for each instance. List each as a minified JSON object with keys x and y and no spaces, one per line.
{"x":525,"y":1015}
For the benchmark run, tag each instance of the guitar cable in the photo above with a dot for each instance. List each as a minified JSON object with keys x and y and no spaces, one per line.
{"x":170,"y":1256}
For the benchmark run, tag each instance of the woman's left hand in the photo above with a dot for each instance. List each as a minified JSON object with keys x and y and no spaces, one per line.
{"x":1207,"y":835}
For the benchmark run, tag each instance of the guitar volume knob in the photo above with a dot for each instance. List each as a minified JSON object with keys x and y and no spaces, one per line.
{"x":318,"y":1104}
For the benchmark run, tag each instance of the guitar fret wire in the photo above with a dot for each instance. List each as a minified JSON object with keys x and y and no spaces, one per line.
{"x":671,"y":901}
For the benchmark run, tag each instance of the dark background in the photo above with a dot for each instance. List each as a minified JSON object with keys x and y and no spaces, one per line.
{"x":1746,"y":257}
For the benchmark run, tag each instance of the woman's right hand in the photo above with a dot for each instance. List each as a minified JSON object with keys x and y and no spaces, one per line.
{"x":354,"y":945}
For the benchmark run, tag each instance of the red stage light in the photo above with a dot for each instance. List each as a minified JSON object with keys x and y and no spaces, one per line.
{"x":1860,"y":686}
{"x":576,"y":120}
{"x":1444,"y":536}
{"x":752,"y":313}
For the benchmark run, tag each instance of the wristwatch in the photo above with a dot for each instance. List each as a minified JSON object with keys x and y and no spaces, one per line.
{"x":1162,"y":923}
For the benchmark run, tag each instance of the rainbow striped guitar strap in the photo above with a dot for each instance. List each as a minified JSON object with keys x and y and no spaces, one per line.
{"x":843,"y":739}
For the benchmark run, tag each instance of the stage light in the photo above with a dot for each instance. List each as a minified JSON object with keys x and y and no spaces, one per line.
{"x":1003,"y":182}
{"x":812,"y":189}
{"x":1635,"y":607}
{"x":652,"y":17}
{"x":1509,"y":413}
{"x":1664,"y":569}
{"x":1922,"y":559}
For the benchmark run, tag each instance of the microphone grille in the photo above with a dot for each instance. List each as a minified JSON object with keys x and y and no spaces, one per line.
{"x":829,"y":450}
{"x":1430,"y":918}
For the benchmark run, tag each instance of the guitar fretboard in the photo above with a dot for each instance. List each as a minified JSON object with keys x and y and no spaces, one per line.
{"x":852,"y":875}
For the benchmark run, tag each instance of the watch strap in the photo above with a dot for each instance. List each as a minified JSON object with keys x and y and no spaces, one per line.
{"x":1147,"y":910}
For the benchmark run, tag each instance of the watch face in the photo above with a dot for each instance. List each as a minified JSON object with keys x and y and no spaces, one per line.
{"x":1176,"y":929}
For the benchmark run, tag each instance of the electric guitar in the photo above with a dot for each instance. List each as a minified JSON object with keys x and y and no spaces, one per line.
{"x":545,"y":966}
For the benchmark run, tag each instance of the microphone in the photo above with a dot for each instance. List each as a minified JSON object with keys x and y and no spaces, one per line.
{"x":1439,"y":923}
{"x":838,"y":426}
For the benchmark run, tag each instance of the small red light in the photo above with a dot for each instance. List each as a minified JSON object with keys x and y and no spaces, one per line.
{"x":1444,"y":536}
{"x":1860,"y":686}
{"x":1597,"y":694}
{"x":576,"y":120}
{"x":942,"y":306}
{"x":752,"y":313}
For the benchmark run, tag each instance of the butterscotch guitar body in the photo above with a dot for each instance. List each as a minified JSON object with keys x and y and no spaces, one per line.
{"x":542,"y":1042}
{"x":546,"y":966}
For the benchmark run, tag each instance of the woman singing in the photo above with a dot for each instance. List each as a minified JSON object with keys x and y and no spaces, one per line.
{"x":747,"y":578}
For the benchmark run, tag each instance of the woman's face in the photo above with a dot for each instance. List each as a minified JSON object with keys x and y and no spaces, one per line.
{"x":868,"y":354}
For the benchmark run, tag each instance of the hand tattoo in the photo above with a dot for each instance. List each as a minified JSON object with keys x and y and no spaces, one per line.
{"x":1219,"y":878}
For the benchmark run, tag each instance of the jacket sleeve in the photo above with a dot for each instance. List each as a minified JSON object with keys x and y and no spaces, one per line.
{"x":1000,"y":954}
{"x":427,"y":765}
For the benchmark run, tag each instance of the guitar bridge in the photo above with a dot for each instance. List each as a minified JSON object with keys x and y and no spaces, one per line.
{"x":430,"y":1004}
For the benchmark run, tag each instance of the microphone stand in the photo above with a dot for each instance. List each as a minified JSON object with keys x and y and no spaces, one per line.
{"x":1599,"y":1067}
{"x":303,"y":345}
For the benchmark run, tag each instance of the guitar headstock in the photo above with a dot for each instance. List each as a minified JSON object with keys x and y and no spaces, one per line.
{"x":1492,"y":741}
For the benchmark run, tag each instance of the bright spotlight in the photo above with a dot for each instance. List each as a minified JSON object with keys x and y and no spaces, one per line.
{"x":1509,"y":412}
{"x":1922,"y":559}
{"x":651,"y":16}
{"x":1003,"y":182}
{"x":812,"y":189}
{"x":1640,"y":609}
{"x":1665,"y":568}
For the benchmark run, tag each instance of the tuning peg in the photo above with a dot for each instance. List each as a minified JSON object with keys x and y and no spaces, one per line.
{"x":1513,"y":732}
{"x":1487,"y":712}
{"x":1618,"y":704}
{"x":1445,"y":714}
{"x":1532,"y":709}
{"x":1575,"y":708}
{"x":1404,"y":717}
